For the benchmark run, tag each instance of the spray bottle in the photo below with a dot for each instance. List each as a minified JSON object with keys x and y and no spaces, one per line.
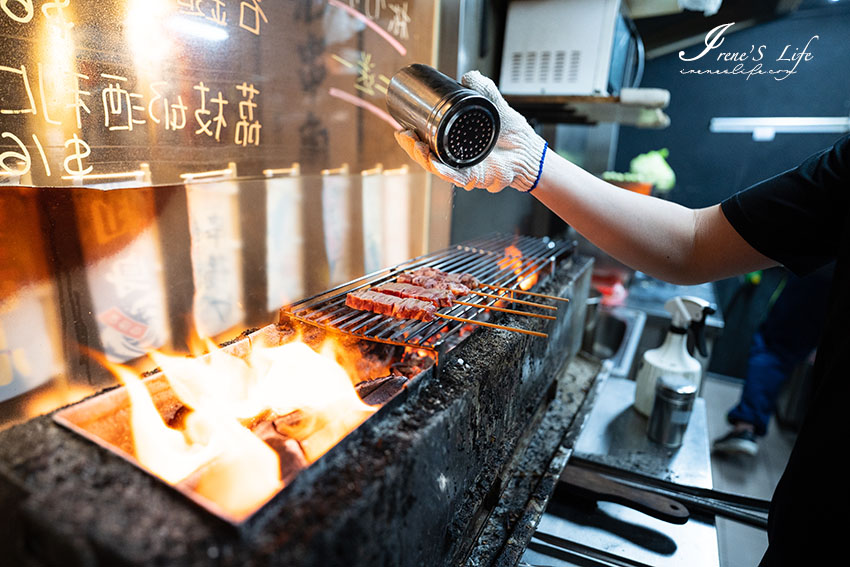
{"x":672,"y":357}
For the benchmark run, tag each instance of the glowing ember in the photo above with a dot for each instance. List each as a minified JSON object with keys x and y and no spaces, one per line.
{"x":215,"y":453}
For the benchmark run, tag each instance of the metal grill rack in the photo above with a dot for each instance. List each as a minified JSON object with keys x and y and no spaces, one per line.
{"x":484,"y":258}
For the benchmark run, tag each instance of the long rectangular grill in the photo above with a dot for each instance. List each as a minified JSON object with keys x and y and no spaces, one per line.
{"x":452,"y":471}
{"x":484,"y":258}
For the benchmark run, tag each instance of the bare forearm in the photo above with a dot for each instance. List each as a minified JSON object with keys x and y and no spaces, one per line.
{"x":658,"y":237}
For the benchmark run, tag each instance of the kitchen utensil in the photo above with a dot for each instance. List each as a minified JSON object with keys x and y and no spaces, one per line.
{"x":671,"y":410}
{"x":743,"y":509}
{"x":460,"y":125}
{"x":591,"y":485}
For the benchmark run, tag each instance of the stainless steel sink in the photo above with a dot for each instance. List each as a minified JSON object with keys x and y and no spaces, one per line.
{"x":613,"y":333}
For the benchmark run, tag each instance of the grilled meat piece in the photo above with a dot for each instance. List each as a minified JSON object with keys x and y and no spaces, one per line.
{"x":468,"y":280}
{"x":456,"y":288}
{"x":383,"y":304}
{"x":439,"y":297}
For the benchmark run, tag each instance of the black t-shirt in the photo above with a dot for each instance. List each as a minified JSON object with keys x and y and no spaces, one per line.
{"x":801,"y":219}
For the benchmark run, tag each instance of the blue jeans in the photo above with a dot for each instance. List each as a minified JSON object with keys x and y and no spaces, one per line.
{"x":767,"y":371}
{"x":786,"y":338}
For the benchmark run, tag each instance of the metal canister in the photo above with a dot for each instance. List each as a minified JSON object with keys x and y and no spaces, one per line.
{"x":460,"y":125}
{"x":671,"y":410}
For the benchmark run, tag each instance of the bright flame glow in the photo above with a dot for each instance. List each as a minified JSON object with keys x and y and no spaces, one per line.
{"x":513,"y":260}
{"x":164,"y":451}
{"x":215,"y":454}
{"x":244,"y":475}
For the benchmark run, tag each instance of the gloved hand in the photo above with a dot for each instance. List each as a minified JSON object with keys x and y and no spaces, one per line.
{"x":516,"y":160}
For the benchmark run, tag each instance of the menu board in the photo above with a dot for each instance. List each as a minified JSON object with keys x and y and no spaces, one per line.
{"x":148,"y":92}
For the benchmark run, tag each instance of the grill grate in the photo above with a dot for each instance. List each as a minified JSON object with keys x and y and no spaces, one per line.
{"x":485,"y":258}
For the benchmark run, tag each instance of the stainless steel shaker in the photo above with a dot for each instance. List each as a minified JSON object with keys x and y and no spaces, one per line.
{"x":460,"y":125}
{"x":671,"y":410}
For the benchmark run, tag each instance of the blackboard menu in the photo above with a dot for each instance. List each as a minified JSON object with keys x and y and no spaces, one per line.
{"x":149,"y":92}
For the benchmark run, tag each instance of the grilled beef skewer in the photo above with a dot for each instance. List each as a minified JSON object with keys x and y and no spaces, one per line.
{"x":383,"y":304}
{"x":430,"y":282}
{"x":439,"y":297}
{"x":433,"y":278}
{"x":407,"y":308}
{"x":467,"y":280}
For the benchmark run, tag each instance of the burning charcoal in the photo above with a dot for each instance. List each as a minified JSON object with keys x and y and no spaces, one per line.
{"x":385,"y":391}
{"x":253,"y":422}
{"x":375,"y":359}
{"x":381,"y":351}
{"x":298,"y":424}
{"x":366,"y":387}
{"x":411,"y":365}
{"x":408,"y":369}
{"x":178,"y":418}
{"x":285,"y":423}
{"x":292,"y":458}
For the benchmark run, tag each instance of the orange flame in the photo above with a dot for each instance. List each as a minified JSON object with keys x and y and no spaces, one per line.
{"x":513,"y":260}
{"x":215,"y":453}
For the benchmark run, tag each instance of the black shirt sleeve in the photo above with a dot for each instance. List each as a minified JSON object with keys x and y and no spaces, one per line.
{"x":797,"y":217}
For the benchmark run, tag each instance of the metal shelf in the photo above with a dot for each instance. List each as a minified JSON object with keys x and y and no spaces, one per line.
{"x":642,"y":108}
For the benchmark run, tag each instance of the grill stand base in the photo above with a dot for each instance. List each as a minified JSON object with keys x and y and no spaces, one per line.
{"x":536,"y":466}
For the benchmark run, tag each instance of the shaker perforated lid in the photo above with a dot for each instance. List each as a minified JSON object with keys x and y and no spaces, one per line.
{"x":469,"y":135}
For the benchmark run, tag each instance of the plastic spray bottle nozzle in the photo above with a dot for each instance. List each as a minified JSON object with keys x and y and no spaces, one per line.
{"x":686,"y":309}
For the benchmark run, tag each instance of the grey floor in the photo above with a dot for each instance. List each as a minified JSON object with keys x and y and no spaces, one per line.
{"x":740,"y":545}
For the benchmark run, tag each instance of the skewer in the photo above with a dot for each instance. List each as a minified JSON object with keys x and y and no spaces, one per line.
{"x":505,"y":310}
{"x":508,"y":299}
{"x":439,"y":274}
{"x":493,"y":325}
{"x":535,"y":294}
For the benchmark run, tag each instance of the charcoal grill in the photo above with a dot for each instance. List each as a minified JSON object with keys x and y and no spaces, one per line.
{"x":421,"y":482}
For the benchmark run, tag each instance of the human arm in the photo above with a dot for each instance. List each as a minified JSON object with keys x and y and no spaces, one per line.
{"x":652,"y":235}
{"x":658,"y":237}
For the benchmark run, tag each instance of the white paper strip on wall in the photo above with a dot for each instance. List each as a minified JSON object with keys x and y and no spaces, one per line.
{"x":216,"y":256}
{"x":336,"y":213}
{"x":396,"y":216}
{"x":285,"y":241}
{"x":373,"y":218}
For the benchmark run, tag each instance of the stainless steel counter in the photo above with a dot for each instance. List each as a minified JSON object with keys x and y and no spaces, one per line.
{"x":613,"y":534}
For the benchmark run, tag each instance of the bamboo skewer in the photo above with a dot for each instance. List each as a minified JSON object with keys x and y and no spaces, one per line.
{"x":535,"y":294}
{"x":493,"y":325}
{"x":510,"y":300}
{"x":506,"y":310}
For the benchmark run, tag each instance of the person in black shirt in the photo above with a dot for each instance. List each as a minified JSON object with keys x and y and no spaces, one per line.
{"x":799,"y":219}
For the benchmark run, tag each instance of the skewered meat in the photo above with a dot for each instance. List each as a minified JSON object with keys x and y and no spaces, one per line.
{"x":468,"y":280}
{"x":383,"y":304}
{"x":456,"y":288}
{"x":439,"y":297}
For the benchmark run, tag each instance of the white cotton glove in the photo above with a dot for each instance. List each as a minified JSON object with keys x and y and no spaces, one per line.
{"x":516,"y":160}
